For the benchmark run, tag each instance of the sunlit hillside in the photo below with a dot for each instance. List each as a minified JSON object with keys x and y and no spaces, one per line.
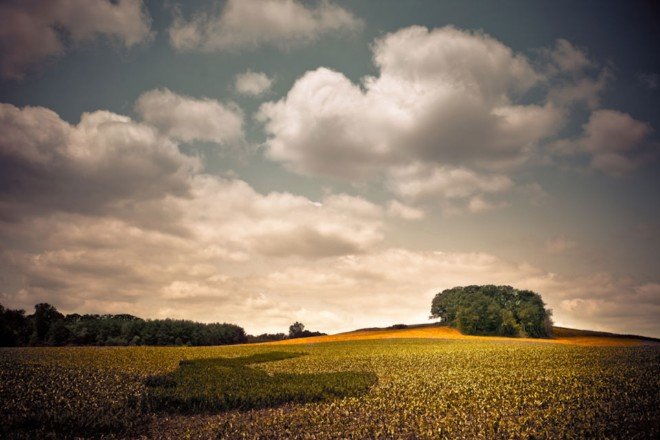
{"x":562,"y":336}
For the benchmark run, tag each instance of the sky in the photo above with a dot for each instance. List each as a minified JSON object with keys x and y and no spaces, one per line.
{"x":332,"y":162}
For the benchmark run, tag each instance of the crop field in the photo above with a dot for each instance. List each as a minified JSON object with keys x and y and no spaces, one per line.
{"x":383,"y":388}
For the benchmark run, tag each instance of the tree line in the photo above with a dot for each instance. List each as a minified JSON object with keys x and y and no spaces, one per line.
{"x":296,"y":330}
{"x":493,"y":310}
{"x":48,"y":327}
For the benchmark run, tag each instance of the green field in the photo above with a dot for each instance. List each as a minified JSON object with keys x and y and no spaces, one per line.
{"x":388,"y":388}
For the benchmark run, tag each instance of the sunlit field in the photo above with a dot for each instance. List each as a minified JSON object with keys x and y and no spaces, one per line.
{"x":378,"y":388}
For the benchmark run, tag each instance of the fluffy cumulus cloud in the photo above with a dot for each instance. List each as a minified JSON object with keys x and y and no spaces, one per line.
{"x":252,"y":83}
{"x":443,"y":96}
{"x":189,"y":119}
{"x":240,"y":24}
{"x":35,"y":30}
{"x":110,"y":165}
{"x":109,"y":214}
{"x":446,"y":101}
{"x":101,"y":165}
{"x":614,"y":141}
{"x":611,"y":137}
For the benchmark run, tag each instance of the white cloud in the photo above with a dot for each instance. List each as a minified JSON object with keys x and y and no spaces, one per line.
{"x":611,"y":131}
{"x":568,"y":58}
{"x":233,"y":215}
{"x":584,"y":89}
{"x":31,"y":30}
{"x":189,"y":119}
{"x":109,"y":165}
{"x":252,"y":23}
{"x":109,"y":215}
{"x":153,"y":275}
{"x":252,"y":83}
{"x":573,"y":77}
{"x":399,"y":210}
{"x":422,"y":182}
{"x":613,"y":140}
{"x":102,"y":164}
{"x":444,"y":96}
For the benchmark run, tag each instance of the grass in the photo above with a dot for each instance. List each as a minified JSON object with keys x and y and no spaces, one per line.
{"x":221,"y":384}
{"x":426,"y":388}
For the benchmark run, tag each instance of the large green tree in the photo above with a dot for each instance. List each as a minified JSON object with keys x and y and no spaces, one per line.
{"x":493,"y":310}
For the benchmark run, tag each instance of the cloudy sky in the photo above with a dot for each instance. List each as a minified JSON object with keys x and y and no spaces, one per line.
{"x":333,"y":162}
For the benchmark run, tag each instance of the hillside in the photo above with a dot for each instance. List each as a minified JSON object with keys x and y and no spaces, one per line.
{"x":562,"y":335}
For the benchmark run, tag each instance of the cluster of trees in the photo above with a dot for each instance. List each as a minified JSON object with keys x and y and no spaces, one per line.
{"x":266,"y":337}
{"x":297,"y":330}
{"x":47,"y":326}
{"x":493,"y":310}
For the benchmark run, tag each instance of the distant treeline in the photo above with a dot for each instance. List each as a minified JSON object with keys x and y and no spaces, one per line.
{"x":296,"y":330}
{"x":47,"y":326}
{"x":493,"y":310}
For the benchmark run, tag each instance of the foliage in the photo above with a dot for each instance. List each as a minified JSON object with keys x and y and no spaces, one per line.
{"x":426,"y":389}
{"x":43,"y":318}
{"x":493,"y":310}
{"x":222,"y":384}
{"x":47,"y":326}
{"x":266,"y":337}
{"x":297,"y":330}
{"x":15,"y":329}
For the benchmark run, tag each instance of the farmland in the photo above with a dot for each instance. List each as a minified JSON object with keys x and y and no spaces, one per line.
{"x":383,"y":388}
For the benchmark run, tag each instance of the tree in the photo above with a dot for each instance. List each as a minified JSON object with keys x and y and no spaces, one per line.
{"x":493,"y":310}
{"x":14,"y":327}
{"x":44,"y":316}
{"x":58,"y":334}
{"x":296,"y":330}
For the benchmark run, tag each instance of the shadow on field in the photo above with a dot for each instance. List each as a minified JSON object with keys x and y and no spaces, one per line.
{"x":221,"y":384}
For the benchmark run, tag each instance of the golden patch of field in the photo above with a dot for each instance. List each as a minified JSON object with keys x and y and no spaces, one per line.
{"x":563,"y":336}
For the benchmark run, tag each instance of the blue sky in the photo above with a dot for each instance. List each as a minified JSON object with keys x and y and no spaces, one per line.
{"x":332,"y":162}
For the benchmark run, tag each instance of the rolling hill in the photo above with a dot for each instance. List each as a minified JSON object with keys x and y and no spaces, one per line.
{"x":562,"y":335}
